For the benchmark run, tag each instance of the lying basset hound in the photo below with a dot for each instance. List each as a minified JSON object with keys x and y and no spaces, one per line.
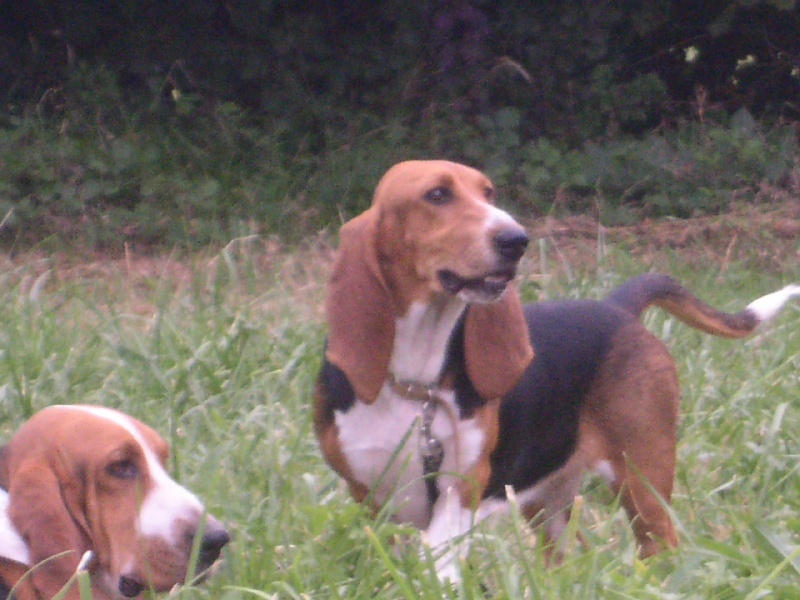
{"x":430,"y":397}
{"x":86,"y":486}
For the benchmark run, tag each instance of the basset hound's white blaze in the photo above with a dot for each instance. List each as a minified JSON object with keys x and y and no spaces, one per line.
{"x":166,"y":503}
{"x":493,"y":219}
{"x":496,"y":219}
{"x":486,"y":254}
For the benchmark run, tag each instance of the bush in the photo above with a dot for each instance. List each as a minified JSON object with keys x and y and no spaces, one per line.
{"x":201,"y":173}
{"x":192,"y":122}
{"x":86,"y":167}
{"x":691,"y":170}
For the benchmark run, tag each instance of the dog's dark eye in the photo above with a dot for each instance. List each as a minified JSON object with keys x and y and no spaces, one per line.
{"x":489,"y":193}
{"x":123,"y":469}
{"x":439,"y":195}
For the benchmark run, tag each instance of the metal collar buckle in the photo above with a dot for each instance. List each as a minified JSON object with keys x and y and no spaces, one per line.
{"x":431,"y":449}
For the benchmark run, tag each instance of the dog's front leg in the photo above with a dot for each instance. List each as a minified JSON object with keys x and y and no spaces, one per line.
{"x":454,"y":512}
{"x":446,"y":535}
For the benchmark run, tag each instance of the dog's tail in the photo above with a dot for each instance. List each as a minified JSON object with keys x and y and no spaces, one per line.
{"x":636,"y":294}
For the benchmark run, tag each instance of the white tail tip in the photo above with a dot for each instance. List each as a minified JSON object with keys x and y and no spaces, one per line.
{"x":769,"y":306}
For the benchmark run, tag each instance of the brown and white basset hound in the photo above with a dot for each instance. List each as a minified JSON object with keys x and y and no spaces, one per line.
{"x":430,"y":397}
{"x":85,"y":486}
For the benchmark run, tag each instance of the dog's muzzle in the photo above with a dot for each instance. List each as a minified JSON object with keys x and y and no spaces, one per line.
{"x":509,"y":244}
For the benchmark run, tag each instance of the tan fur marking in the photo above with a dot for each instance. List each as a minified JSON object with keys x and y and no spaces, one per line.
{"x":631,"y":419}
{"x":496,"y":334}
{"x":699,"y":315}
{"x":12,"y":573}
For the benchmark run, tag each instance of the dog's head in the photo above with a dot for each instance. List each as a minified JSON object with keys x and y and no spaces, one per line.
{"x":432,"y":234}
{"x":87,"y":478}
{"x":437,"y":225}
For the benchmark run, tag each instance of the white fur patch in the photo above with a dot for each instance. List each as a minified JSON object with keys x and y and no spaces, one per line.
{"x":498,"y":218}
{"x":12,"y":545}
{"x":421,"y":337}
{"x":769,"y":306}
{"x":605,"y":469}
{"x":450,"y":523}
{"x":554,"y":494}
{"x":371,"y":436}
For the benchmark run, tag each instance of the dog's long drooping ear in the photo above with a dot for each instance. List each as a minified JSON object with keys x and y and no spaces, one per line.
{"x":38,"y":511}
{"x":497,"y":345}
{"x":359,"y":310}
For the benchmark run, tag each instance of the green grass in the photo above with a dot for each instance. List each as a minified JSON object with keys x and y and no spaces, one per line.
{"x":220,"y":353}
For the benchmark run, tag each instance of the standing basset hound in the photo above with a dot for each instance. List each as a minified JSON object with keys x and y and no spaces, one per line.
{"x":430,"y":397}
{"x":84,"y":487}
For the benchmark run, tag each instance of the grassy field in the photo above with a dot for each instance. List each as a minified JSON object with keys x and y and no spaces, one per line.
{"x":219,"y":352}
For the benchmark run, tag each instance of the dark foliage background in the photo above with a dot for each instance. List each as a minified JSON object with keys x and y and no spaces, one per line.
{"x":198,"y":119}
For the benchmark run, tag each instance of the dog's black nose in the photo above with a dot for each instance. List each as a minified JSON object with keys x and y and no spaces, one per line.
{"x":214,"y":540}
{"x":511,"y":243}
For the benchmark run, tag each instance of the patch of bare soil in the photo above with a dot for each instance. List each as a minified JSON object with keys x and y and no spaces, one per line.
{"x":758,"y":237}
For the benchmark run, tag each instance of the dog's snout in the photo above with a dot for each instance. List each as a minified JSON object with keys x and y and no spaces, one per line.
{"x":511,"y":243}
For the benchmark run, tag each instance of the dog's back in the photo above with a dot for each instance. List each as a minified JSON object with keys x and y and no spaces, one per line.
{"x":571,"y":340}
{"x":577,"y":342}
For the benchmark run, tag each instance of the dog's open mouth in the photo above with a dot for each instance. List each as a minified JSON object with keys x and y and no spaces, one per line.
{"x":491,"y":285}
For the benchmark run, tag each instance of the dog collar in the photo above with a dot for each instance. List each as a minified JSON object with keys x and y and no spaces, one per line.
{"x":431,"y":449}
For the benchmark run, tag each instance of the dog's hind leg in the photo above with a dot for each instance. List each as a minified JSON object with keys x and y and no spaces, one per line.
{"x":636,"y":408}
{"x":645,"y":495}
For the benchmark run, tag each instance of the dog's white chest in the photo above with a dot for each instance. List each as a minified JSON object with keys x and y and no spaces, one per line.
{"x":381,"y":442}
